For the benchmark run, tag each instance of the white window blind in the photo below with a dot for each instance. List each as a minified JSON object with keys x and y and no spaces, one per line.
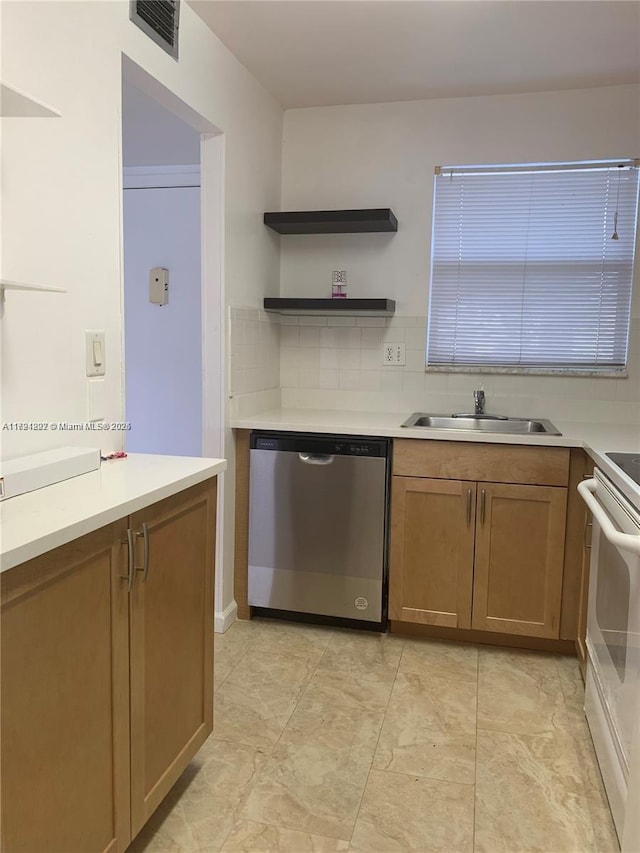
{"x":524,"y":269}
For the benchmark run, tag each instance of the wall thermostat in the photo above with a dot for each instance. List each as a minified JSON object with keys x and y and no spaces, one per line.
{"x":159,"y":286}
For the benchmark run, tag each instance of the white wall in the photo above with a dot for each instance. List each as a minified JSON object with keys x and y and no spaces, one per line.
{"x":152,"y":136}
{"x":384,"y":155}
{"x":61,"y":200}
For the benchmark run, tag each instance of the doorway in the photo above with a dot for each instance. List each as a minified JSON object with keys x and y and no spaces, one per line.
{"x":162,"y":161}
{"x":161,"y":231}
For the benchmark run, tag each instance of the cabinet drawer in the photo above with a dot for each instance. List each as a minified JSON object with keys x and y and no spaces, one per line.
{"x":499,"y":463}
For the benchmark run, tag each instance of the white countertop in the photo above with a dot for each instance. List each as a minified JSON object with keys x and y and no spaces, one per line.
{"x":596,"y":439}
{"x":38,"y":521}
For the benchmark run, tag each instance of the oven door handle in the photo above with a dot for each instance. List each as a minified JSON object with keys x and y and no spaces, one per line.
{"x":624,"y":541}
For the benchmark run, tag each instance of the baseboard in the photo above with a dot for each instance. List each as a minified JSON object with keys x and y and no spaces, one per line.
{"x":465,"y":635}
{"x":225,"y":618}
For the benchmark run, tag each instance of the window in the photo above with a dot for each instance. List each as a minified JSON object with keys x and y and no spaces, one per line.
{"x":532,"y":267}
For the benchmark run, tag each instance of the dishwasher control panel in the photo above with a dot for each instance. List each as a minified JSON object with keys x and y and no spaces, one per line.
{"x":342,"y":446}
{"x":360,"y":450}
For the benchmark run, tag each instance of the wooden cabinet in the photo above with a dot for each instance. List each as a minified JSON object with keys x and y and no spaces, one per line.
{"x":475,"y":553}
{"x":432,"y":541}
{"x":106,"y":694}
{"x":65,"y":705}
{"x":519,"y":558}
{"x":171,"y":655}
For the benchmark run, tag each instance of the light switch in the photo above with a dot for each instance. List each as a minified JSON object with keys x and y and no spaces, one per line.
{"x":95,"y":354}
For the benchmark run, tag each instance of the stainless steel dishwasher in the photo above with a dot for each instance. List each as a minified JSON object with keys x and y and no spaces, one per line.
{"x":317,"y":526}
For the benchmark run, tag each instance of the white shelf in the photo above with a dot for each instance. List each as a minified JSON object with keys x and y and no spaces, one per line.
{"x":17,"y":104}
{"x":17,"y":285}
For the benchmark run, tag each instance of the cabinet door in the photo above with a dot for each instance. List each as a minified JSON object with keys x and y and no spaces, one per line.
{"x":171,"y":643}
{"x":65,"y":704}
{"x":519,"y":558}
{"x":431,"y":571}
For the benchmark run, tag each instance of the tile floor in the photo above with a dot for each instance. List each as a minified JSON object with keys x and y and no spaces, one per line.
{"x":328,"y":740}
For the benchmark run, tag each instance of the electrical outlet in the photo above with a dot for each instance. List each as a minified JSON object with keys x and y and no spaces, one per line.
{"x":394,"y":354}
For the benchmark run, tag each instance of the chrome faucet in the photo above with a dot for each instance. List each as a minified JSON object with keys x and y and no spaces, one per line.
{"x":478,"y":399}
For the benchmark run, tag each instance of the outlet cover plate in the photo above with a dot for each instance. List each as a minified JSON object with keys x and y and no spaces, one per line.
{"x":394,"y":355}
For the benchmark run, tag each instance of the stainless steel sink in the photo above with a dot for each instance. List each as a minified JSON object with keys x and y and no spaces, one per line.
{"x":482,"y":423}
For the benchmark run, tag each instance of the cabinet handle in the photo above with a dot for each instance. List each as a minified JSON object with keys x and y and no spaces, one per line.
{"x":587,"y":525}
{"x":132,"y":559}
{"x":468,"y":507}
{"x":145,"y":536}
{"x":483,"y":505}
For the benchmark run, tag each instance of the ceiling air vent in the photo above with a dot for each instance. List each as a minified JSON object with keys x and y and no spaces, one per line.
{"x":159,"y":20}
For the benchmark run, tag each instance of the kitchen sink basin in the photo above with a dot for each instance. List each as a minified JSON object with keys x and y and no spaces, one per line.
{"x":481,"y":423}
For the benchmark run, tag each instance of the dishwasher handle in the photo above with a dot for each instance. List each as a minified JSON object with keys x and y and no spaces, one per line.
{"x":316,"y":458}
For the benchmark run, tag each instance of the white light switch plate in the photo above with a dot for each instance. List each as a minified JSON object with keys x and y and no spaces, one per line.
{"x":95,"y":400}
{"x":95,"y":355}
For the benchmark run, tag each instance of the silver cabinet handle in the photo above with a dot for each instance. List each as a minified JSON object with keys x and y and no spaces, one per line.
{"x":145,"y":537}
{"x":316,"y":458}
{"x":483,"y":505}
{"x":132,"y":559}
{"x":145,"y":533}
{"x":587,"y":525}
{"x":468,"y":507}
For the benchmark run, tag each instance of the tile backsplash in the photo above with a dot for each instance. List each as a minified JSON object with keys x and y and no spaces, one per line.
{"x":254,"y":351}
{"x":337,"y":363}
{"x":345,"y":353}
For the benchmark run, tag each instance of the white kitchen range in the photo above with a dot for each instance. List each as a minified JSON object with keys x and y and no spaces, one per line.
{"x":612,"y":696}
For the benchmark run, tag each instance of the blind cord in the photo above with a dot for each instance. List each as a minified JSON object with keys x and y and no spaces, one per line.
{"x":614,"y":236}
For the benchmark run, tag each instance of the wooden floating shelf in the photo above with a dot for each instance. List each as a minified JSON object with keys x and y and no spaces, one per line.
{"x":344,"y":307}
{"x":370,"y":220}
{"x":17,"y":104}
